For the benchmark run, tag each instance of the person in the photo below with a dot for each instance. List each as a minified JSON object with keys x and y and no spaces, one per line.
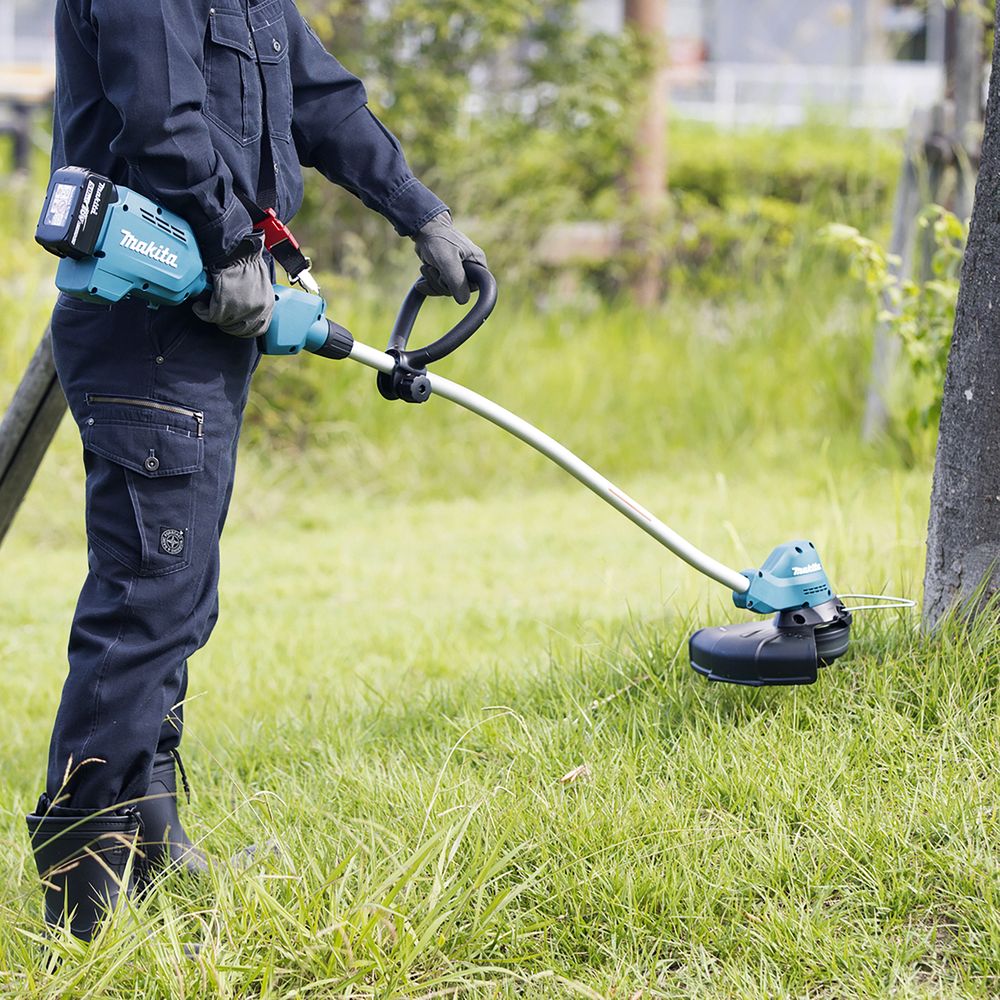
{"x":207,"y":107}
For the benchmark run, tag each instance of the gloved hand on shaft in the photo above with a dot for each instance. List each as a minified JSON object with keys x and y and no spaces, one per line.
{"x":242,"y":294}
{"x":442,"y":248}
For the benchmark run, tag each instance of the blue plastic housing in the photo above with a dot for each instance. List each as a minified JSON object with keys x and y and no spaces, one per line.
{"x":791,"y":577}
{"x":299,"y":322}
{"x":143,"y":249}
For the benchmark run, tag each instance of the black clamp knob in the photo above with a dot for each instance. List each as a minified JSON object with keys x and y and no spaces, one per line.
{"x":408,"y":384}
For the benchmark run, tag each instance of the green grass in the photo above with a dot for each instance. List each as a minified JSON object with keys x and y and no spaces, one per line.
{"x":396,"y":709}
{"x":402,"y":734}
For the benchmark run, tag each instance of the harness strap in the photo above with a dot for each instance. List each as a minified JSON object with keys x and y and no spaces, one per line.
{"x":278,"y":238}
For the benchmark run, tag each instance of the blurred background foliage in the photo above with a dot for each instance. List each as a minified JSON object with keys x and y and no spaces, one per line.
{"x":919,"y":312}
{"x":510,"y":110}
{"x":521,"y":119}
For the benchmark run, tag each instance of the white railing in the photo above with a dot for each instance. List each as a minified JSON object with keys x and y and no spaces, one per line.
{"x":734,"y":94}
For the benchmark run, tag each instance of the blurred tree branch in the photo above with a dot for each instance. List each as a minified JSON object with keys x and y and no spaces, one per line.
{"x":648,"y":169}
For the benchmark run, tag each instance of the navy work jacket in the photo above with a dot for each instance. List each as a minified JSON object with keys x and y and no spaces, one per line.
{"x":177,"y":98}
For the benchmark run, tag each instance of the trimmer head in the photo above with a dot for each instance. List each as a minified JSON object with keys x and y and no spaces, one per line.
{"x":811,"y":628}
{"x":788,"y":649}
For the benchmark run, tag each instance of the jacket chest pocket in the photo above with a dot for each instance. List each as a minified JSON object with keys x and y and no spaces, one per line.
{"x":232,"y":79}
{"x":271,"y":45}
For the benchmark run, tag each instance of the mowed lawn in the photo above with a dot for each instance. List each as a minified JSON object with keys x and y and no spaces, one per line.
{"x":454,"y":713}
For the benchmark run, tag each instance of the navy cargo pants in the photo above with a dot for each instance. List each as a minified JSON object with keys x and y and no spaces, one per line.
{"x":158,"y":397}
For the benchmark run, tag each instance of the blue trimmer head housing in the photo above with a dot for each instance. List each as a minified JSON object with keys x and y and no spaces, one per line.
{"x":811,"y":627}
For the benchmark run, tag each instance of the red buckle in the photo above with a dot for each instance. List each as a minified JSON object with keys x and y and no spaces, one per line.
{"x":275,"y":231}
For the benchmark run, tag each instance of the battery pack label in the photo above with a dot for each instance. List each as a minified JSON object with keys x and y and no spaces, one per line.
{"x":60,"y":205}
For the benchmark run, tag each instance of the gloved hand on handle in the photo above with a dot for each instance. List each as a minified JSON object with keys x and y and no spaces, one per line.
{"x":242,"y":294}
{"x":442,"y":248}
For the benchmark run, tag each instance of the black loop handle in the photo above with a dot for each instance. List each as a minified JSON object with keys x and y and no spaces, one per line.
{"x":479,"y":278}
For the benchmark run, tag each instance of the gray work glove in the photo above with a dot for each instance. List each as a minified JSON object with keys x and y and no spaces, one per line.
{"x":242,"y":294}
{"x":442,"y":248}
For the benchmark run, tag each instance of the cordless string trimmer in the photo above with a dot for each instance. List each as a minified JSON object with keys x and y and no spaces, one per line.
{"x":115,"y":243}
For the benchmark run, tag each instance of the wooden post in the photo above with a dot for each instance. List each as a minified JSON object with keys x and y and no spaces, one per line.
{"x":22,"y":116}
{"x":944,"y":140}
{"x":27,"y":430}
{"x":648,"y":180}
{"x":349,"y":26}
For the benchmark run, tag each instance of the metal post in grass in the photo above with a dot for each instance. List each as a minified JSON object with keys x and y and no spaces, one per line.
{"x":909,"y":200}
{"x":946,"y":139}
{"x":963,"y":536}
{"x":966,"y":65}
{"x":27,"y":430}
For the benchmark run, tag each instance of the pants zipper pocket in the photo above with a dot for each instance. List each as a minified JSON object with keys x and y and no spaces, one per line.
{"x":150,"y":404}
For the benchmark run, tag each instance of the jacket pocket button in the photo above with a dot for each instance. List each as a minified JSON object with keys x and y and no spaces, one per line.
{"x":276,"y":44}
{"x":151,"y":464}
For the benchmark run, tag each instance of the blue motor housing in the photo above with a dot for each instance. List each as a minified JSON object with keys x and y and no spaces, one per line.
{"x":144,"y":249}
{"x":791,"y":577}
{"x":812,"y":626}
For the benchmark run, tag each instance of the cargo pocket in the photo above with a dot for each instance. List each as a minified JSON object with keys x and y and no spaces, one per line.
{"x":271,"y":41}
{"x":143,"y":457}
{"x":232,"y":98}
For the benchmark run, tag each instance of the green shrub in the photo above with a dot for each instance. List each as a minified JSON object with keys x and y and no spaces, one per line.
{"x":851,"y":169}
{"x":551,"y":142}
{"x":543,"y":133}
{"x":920,"y":312}
{"x":716,"y":250}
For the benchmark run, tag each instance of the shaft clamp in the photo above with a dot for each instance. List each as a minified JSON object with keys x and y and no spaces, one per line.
{"x":404,"y":382}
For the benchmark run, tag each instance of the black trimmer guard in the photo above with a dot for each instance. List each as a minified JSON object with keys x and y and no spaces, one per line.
{"x":789,"y":649}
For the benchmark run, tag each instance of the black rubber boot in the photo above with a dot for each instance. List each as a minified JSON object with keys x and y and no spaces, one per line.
{"x":86,"y":861}
{"x":164,"y":843}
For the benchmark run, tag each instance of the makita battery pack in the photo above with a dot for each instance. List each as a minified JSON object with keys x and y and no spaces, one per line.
{"x":73,"y":215}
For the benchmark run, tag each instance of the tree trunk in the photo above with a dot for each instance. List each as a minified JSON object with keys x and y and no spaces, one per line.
{"x":648,"y":180}
{"x":963,"y":538}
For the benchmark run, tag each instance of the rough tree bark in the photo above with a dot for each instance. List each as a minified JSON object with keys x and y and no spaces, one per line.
{"x":963,"y":538}
{"x":648,"y":180}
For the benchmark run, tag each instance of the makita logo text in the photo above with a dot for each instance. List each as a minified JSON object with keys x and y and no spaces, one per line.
{"x":803,"y":570}
{"x":81,"y":216}
{"x":98,"y":196}
{"x":154,"y":251}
